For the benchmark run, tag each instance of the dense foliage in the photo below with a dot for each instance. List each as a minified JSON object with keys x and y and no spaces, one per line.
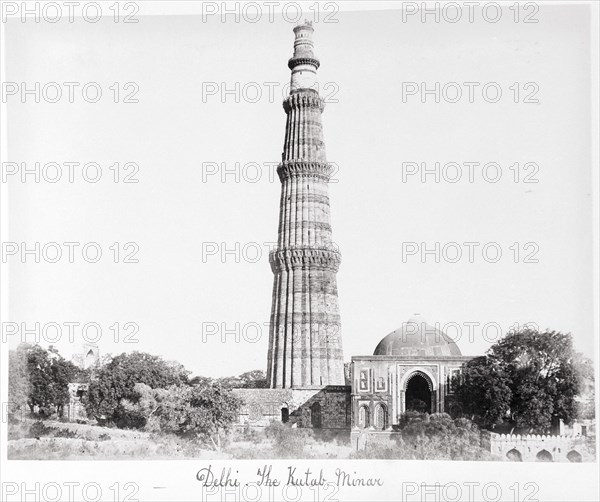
{"x":528,"y":378}
{"x":255,"y":379}
{"x":484,"y":391}
{"x":203,"y":411}
{"x":115,"y":383}
{"x":431,"y":437}
{"x":39,"y":379}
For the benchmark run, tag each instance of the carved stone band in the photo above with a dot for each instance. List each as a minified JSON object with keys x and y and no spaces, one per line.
{"x":321,"y":170}
{"x":293,"y":62}
{"x":299,"y":258}
{"x":303,"y":99}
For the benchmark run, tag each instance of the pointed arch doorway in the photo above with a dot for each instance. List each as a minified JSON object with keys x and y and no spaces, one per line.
{"x":419,"y":394}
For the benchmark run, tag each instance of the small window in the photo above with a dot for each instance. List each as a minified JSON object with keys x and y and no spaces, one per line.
{"x":364,"y":380}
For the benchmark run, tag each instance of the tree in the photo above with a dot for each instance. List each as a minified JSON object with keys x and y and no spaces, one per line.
{"x":41,"y":392}
{"x":40,"y":378}
{"x":63,"y":372}
{"x":18,"y":382}
{"x":533,"y":375}
{"x":115,"y":382}
{"x":230,"y":382}
{"x":483,"y":390}
{"x":213,"y":410}
{"x":202,"y":411}
{"x":200,"y":380}
{"x":586,"y":399}
{"x":256,"y":379}
{"x":544,"y":380}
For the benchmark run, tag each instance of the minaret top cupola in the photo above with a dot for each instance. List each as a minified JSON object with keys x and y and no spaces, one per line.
{"x":303,"y":64}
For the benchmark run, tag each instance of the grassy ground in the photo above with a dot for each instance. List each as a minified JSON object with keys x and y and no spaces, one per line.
{"x":32,"y":439}
{"x":54,"y":440}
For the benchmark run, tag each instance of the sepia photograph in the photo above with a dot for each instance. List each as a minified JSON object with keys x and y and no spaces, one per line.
{"x":299,"y":251}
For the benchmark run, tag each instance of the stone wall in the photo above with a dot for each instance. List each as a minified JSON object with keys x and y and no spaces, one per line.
{"x":318,"y":407}
{"x":507,"y":447}
{"x":362,"y":439}
{"x":538,"y":448}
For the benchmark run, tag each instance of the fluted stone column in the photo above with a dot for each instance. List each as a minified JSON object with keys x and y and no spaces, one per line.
{"x":305,"y":345}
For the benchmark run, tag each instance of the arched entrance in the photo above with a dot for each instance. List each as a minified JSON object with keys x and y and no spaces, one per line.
{"x":315,"y":415}
{"x":363,"y":417}
{"x":543,"y":456}
{"x":418,"y":393}
{"x":514,"y":455}
{"x":574,"y":456}
{"x":90,"y":359}
{"x":380,"y":416}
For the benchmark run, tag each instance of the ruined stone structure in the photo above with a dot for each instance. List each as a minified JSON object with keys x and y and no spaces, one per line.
{"x":75,"y":408}
{"x":305,"y":346}
{"x":88,"y":357}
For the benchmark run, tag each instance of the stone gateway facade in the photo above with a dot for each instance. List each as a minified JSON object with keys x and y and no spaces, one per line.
{"x":412,"y":368}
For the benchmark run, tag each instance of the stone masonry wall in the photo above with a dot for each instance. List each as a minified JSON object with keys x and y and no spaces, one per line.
{"x":534,"y":447}
{"x":323,"y":407}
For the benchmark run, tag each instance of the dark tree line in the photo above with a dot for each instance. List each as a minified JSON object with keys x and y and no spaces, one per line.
{"x":136,"y":390}
{"x":38,"y":380}
{"x":528,"y":379}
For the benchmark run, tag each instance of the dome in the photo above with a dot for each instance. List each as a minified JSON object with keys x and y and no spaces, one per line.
{"x":417,"y":338}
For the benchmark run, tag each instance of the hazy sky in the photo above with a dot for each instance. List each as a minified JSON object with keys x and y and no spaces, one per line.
{"x":177,"y":210}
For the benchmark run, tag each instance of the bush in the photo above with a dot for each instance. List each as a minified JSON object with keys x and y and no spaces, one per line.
{"x":39,"y":429}
{"x":116,"y":381}
{"x":431,"y":437}
{"x":288,"y":442}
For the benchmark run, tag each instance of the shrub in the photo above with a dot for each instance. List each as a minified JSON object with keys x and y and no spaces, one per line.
{"x":288,"y":442}
{"x":39,"y":429}
{"x":431,"y":437}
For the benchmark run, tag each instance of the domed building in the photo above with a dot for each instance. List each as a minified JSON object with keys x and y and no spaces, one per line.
{"x":411,"y":369}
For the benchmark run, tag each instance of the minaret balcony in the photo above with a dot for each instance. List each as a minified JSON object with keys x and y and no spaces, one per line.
{"x":297,"y":61}
{"x":302,"y":169}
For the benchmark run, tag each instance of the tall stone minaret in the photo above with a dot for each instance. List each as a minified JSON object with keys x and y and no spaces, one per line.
{"x":305,"y":344}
